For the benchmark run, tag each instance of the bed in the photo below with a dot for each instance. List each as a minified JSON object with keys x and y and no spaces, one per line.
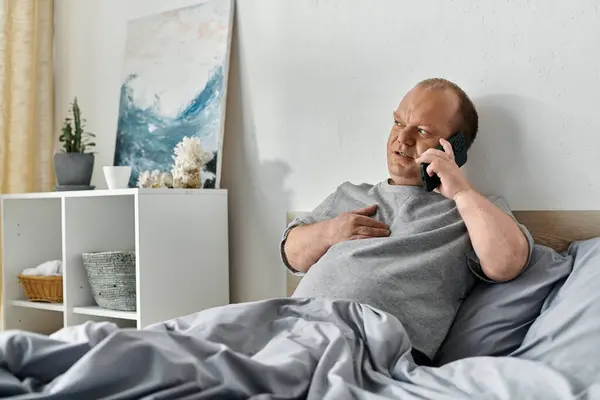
{"x":288,"y":348}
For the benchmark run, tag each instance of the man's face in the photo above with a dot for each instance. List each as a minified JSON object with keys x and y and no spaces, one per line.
{"x":423,"y":117}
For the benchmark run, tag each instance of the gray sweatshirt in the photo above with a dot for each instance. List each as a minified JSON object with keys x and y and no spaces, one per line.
{"x":420,"y":273}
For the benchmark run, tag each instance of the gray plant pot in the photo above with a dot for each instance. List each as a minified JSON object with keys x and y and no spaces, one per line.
{"x":73,"y":169}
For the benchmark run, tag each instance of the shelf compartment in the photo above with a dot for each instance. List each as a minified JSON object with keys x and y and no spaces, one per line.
{"x":105,"y":223}
{"x":31,"y":235}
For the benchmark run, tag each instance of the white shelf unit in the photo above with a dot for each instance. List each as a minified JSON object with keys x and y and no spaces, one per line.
{"x":180,"y":238}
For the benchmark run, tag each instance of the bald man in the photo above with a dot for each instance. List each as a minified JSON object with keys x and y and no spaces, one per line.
{"x":400,"y":248}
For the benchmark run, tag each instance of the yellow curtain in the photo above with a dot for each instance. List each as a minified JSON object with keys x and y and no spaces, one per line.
{"x":27,"y":134}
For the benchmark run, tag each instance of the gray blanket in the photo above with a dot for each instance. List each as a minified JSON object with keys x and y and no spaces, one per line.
{"x":272,"y":349}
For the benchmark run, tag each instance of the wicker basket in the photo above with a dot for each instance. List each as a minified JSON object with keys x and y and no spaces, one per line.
{"x":47,"y":289}
{"x":111,"y":276}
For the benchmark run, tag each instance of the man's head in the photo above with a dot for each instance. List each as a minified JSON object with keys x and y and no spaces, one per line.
{"x":433,"y":109}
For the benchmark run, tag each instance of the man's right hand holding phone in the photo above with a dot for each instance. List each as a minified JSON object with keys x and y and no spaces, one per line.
{"x":442,"y":163}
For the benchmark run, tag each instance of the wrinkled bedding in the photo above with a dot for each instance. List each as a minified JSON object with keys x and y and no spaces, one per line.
{"x":272,"y":349}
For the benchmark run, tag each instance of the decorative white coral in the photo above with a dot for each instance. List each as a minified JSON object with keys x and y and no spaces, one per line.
{"x":155,"y":179}
{"x":144,"y":180}
{"x":190,"y":158}
{"x":166,"y":180}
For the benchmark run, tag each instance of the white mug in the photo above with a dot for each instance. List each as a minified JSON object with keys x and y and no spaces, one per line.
{"x":117,"y":177}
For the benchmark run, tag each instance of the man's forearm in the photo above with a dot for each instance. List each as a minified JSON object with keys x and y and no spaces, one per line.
{"x":306,"y":244}
{"x":498,"y":241}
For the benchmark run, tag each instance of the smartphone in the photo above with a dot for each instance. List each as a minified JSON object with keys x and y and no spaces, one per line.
{"x":459,"y":145}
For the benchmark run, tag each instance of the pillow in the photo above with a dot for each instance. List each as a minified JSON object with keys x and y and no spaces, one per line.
{"x":494,"y":318}
{"x":566,"y":336}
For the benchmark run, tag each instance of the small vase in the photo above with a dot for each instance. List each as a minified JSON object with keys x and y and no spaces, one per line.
{"x":117,"y":177}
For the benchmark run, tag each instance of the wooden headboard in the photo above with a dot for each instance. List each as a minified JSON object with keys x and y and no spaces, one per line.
{"x":558,"y":229}
{"x":555,"y":229}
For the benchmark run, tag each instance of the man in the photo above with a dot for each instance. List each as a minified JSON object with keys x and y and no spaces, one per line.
{"x":412,"y":253}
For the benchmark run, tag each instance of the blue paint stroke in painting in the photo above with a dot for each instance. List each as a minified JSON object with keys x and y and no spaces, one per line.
{"x":146,"y":139}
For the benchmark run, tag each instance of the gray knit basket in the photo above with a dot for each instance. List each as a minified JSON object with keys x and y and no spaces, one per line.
{"x":111,"y":275}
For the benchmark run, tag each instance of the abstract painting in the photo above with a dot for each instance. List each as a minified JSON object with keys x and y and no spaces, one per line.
{"x":174,"y":85}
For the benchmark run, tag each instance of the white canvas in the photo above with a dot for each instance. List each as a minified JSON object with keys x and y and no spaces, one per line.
{"x":174,"y":85}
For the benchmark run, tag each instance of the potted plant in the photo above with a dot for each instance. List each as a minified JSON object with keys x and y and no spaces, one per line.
{"x":73,"y":165}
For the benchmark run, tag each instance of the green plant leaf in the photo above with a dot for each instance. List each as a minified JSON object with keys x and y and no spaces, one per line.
{"x":74,"y":138}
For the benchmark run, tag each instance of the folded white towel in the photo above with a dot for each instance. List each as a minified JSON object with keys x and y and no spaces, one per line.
{"x":30,"y":272}
{"x":48,"y":268}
